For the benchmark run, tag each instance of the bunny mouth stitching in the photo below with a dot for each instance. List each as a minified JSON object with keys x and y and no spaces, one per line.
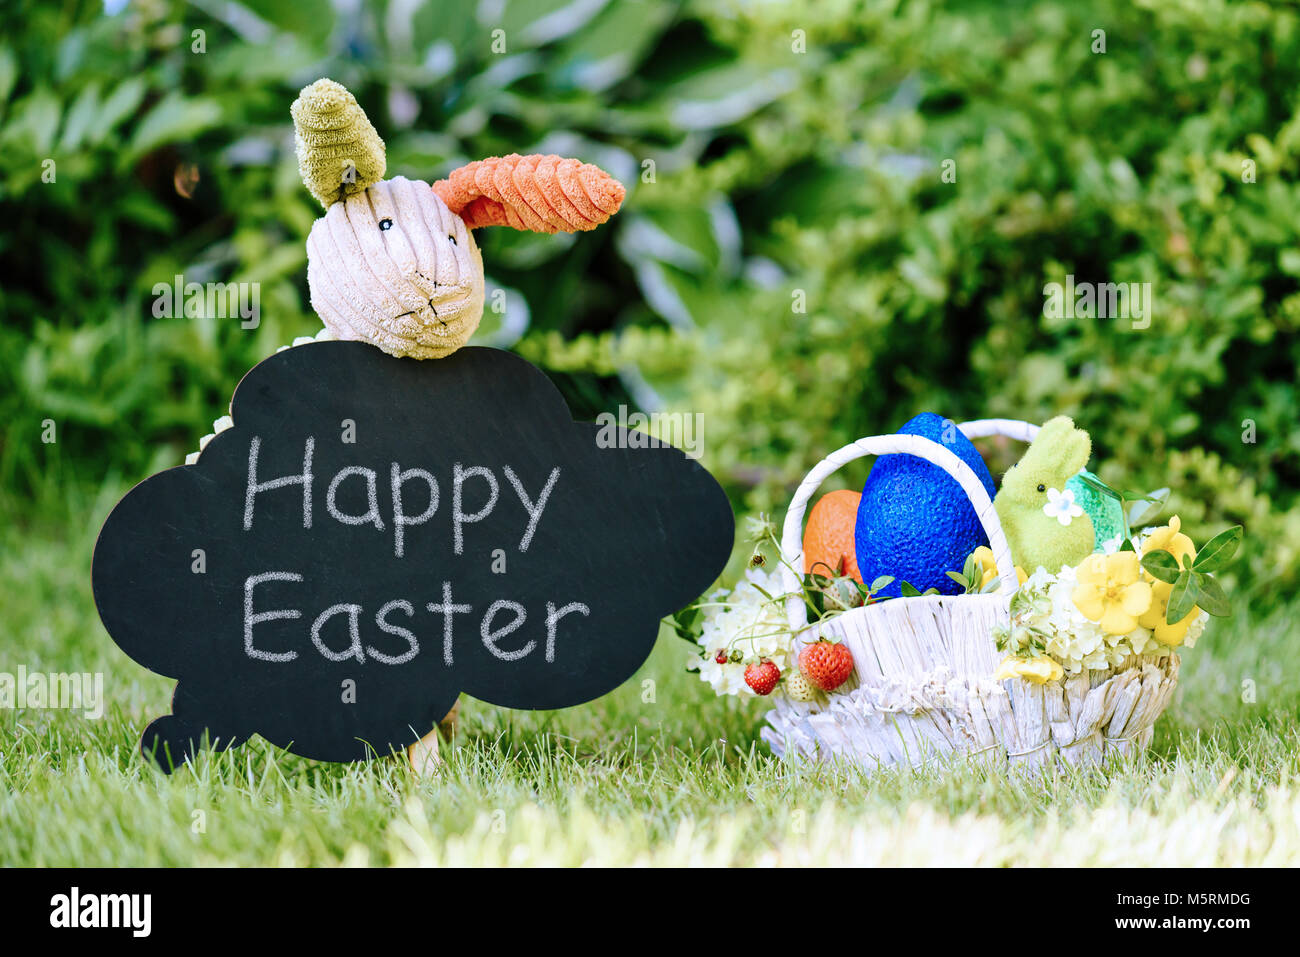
{"x":433,"y":305}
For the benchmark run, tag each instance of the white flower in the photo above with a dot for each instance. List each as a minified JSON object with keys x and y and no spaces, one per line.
{"x":758,"y":527}
{"x":1143,"y":642}
{"x":1062,"y":506}
{"x":1195,"y":629}
{"x":748,"y":622}
{"x":726,"y":678}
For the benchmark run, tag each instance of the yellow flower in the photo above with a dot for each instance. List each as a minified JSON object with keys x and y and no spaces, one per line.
{"x":988,"y":567}
{"x":1039,"y":670}
{"x":1161,"y":630}
{"x":1110,"y":592}
{"x":1170,"y":539}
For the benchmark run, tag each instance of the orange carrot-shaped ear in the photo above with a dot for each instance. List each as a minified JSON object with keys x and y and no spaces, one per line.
{"x":545,"y":194}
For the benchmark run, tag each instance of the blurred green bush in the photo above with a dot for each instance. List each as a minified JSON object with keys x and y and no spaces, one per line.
{"x":792,"y":260}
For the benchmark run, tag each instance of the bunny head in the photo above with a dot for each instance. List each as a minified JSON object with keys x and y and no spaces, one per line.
{"x":393,"y":261}
{"x":1057,"y":452}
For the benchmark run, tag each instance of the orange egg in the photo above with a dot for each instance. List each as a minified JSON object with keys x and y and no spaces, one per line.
{"x":828,"y":536}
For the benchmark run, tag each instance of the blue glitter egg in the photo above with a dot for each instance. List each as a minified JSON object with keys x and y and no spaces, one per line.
{"x":915,"y":522}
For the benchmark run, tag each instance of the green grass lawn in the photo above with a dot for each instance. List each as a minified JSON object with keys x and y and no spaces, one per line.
{"x":673,"y":777}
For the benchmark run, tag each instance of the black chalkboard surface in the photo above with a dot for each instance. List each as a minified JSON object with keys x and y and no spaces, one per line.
{"x":376,"y":535}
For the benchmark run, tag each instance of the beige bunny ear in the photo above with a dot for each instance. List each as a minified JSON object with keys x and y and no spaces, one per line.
{"x":339,"y":152}
{"x":545,"y":194}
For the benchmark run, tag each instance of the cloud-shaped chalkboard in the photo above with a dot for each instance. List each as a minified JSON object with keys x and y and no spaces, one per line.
{"x":376,"y":535}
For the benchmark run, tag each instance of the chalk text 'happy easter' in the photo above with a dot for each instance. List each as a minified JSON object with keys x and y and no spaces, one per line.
{"x":499,"y":620}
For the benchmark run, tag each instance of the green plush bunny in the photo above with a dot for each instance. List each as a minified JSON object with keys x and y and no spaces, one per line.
{"x":1043,"y":523}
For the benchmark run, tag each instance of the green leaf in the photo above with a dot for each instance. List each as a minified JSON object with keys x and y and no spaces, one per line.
{"x":80,"y":117}
{"x":1147,"y":507}
{"x":967,"y":580}
{"x":8,"y":73}
{"x":1218,"y":551}
{"x":1132,"y":495}
{"x":687,"y":622}
{"x":603,"y":52}
{"x":1288,"y":261}
{"x":1098,"y":485}
{"x":1160,"y":564}
{"x":35,"y":121}
{"x":1212,"y":596}
{"x":121,"y":103}
{"x":719,"y":96}
{"x":312,"y":19}
{"x":1127,"y":545}
{"x":1182,"y":599}
{"x":175,"y":118}
{"x":908,"y":590}
{"x":884,"y":581}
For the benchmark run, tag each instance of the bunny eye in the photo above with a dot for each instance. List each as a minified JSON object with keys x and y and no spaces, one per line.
{"x":385,"y":225}
{"x":453,"y":240}
{"x":1042,"y":488}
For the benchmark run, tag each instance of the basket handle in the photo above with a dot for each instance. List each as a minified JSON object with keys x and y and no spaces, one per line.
{"x":932,"y":452}
{"x":1011,"y":428}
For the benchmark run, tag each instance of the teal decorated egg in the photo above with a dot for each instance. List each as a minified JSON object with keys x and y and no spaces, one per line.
{"x":914,"y":521}
{"x":1107,"y":513}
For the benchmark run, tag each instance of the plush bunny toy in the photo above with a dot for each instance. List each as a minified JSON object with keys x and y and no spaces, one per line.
{"x":393,"y":261}
{"x":1043,"y":524}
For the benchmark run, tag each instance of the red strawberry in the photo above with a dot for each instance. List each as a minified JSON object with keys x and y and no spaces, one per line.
{"x":762,"y":677}
{"x":826,"y":664}
{"x":721,"y":656}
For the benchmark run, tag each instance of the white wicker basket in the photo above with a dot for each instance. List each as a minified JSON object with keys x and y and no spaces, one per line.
{"x":922,"y":686}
